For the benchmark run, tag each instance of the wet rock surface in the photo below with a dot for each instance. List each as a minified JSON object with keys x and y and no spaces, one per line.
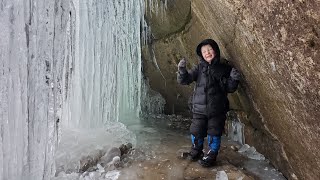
{"x":167,"y":164}
{"x":158,"y":156}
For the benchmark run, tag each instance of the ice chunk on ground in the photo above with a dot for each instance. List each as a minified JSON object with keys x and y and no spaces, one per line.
{"x":221,"y":175}
{"x":112,"y":175}
{"x":263,"y":170}
{"x":251,"y":152}
{"x":108,"y":157}
{"x":78,"y":147}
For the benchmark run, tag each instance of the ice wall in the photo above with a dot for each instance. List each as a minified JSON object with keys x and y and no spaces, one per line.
{"x":33,"y":49}
{"x":106,"y":80}
{"x":71,"y":62}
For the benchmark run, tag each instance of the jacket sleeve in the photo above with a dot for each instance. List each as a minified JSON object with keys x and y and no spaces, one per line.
{"x":187,"y":77}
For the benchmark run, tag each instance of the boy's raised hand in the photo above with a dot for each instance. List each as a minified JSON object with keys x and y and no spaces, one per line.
{"x":182,"y":65}
{"x":234,"y":74}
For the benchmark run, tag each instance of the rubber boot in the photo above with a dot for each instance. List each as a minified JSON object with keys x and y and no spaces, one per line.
{"x":211,"y":157}
{"x":196,"y":152}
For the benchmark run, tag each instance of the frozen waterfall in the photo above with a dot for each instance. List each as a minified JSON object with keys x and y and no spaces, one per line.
{"x":70,"y":64}
{"x":33,"y":48}
{"x":106,"y":67}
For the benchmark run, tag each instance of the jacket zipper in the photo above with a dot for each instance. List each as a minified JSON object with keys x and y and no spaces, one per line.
{"x":206,"y":88}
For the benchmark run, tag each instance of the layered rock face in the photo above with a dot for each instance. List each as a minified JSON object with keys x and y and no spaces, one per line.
{"x":276,"y":47}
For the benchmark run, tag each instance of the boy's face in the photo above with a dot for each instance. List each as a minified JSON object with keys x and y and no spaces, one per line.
{"x":207,"y":53}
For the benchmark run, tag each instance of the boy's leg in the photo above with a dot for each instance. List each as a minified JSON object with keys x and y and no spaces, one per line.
{"x":196,"y":151}
{"x":198,"y":131}
{"x":215,"y":129}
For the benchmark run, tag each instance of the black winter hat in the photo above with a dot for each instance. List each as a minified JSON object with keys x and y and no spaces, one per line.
{"x":212,"y":43}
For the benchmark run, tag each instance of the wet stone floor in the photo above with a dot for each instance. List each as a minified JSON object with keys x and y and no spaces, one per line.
{"x":157,"y":156}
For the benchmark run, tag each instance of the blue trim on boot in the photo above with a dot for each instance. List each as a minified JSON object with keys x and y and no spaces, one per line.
{"x":196,"y":149}
{"x":197,"y":142}
{"x":214,"y":143}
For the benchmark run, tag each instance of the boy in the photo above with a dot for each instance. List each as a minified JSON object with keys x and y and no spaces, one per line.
{"x":209,"y":102}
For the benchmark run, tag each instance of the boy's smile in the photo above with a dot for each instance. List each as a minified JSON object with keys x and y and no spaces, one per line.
{"x":207,"y":53}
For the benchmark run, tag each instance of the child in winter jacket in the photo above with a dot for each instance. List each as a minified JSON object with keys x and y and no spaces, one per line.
{"x":210,"y":104}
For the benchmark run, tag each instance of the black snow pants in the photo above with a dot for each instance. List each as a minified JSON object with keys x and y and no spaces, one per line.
{"x":203,"y":125}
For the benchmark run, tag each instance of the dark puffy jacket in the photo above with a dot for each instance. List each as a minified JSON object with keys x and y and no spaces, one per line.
{"x":213,"y":82}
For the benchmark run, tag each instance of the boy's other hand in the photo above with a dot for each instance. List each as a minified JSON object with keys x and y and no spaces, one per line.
{"x":234,"y":74}
{"x":182,"y":64}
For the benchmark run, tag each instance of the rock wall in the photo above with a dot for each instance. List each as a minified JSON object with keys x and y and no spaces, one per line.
{"x":275,"y":44}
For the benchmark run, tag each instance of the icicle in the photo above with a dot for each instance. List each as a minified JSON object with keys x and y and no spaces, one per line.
{"x":157,"y":66}
{"x":236,"y":129}
{"x":153,"y":102}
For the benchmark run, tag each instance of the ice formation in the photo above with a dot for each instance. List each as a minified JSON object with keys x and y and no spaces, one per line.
{"x":70,"y":64}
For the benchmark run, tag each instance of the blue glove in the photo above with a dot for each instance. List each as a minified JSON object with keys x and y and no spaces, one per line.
{"x":234,"y":74}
